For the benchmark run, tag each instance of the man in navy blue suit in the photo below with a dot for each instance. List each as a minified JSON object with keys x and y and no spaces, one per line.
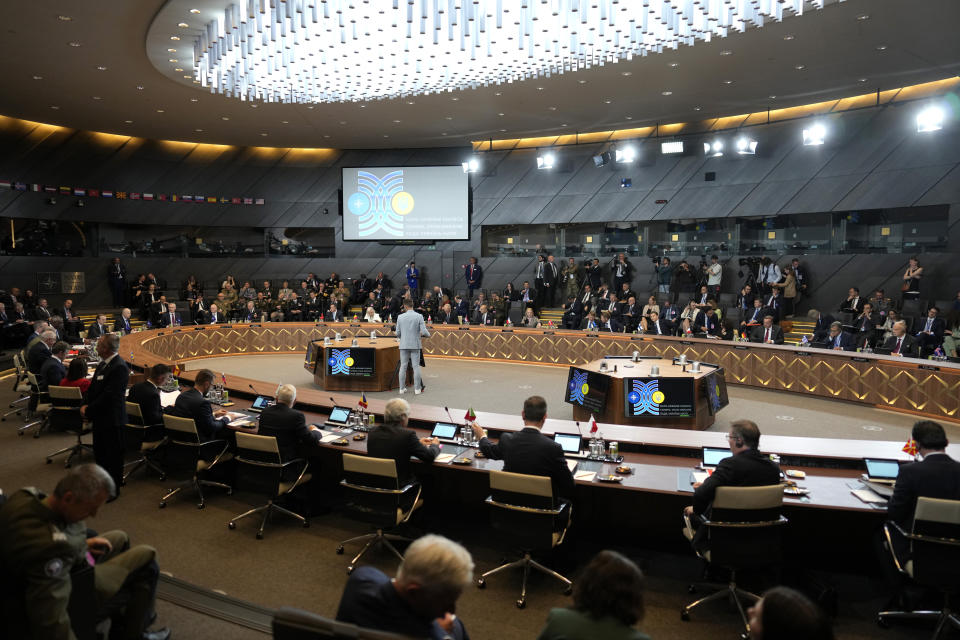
{"x":171,"y":318}
{"x":122,"y":324}
{"x":838,"y":339}
{"x":473,"y":272}
{"x":930,"y":331}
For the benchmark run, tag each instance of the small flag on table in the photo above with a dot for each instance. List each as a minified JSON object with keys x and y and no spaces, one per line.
{"x":363,"y":400}
{"x":93,"y":193}
{"x":911,"y":447}
{"x":223,"y":379}
{"x":212,"y":199}
{"x":148,"y":196}
{"x":470,"y":416}
{"x":593,"y":424}
{"x":6,"y":184}
{"x":135,"y":196}
{"x":176,"y":371}
{"x":65,"y":191}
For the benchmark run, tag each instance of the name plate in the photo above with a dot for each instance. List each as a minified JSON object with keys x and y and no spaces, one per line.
{"x":685,"y":342}
{"x":856,"y":359}
{"x":226,"y":326}
{"x":929,"y":367}
{"x":176,"y":331}
{"x":506,"y":330}
{"x":549,"y":333}
{"x":637,"y":338}
{"x":463,"y":328}
{"x":740,"y":347}
{"x":198,"y":328}
{"x":803,"y":354}
{"x":593,"y":335}
{"x":354,"y":325}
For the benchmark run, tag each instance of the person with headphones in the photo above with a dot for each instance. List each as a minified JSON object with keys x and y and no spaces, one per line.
{"x":747,"y":467}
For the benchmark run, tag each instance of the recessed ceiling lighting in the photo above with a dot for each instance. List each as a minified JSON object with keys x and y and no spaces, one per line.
{"x":171,"y":50}
{"x":326,"y":135}
{"x":140,"y":87}
{"x":309,"y":106}
{"x":198,"y":130}
{"x":74,"y":44}
{"x":448,"y":117}
{"x":54,"y":107}
{"x":411,"y":102}
{"x":159,"y":110}
{"x":343,"y":122}
{"x":772,"y":97}
{"x":501,"y":131}
{"x":582,"y":81}
{"x":253,"y":106}
{"x":363,"y":106}
{"x":186,"y":77}
{"x":129,"y":121}
{"x":498,"y":93}
{"x":183,"y":25}
{"x":386,"y":135}
{"x":726,"y":52}
{"x":194,"y":10}
{"x":178,"y":69}
{"x":174,"y":60}
{"x":101,"y":68}
{"x":396,"y":122}
{"x":563,"y":125}
{"x":626,"y":73}
{"x":674,"y":65}
{"x":788,"y":37}
{"x":863,"y":16}
{"x":501,"y":114}
{"x":174,"y":37}
{"x":194,"y":99}
{"x":539,"y":88}
{"x":445,"y":133}
{"x":64,"y":18}
{"x":97,"y":98}
{"x":38,"y":77}
{"x":881,"y":47}
{"x":697,"y":108}
{"x":224,"y":118}
{"x":196,"y":82}
{"x":666,"y":93}
{"x":552,"y":108}
{"x":728,"y":82}
{"x":861,"y":79}
{"x":455,"y":99}
{"x":284,"y":122}
{"x":607,"y":101}
{"x":264,"y":135}
{"x":629,"y":117}
{"x":799,"y":67}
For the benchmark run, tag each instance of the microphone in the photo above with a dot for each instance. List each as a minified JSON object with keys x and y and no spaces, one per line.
{"x":252,"y":389}
{"x":450,"y":417}
{"x":333,"y":401}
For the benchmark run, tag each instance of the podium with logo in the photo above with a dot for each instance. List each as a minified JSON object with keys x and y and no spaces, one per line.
{"x":341,"y":365}
{"x":648,"y":392}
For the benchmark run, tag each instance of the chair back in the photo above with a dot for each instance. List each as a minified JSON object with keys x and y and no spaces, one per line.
{"x":64,"y":412}
{"x":372,"y":491}
{"x":744,"y":526}
{"x":260,"y":466}
{"x":522,"y":508}
{"x":183,"y":446}
{"x":135,"y":432}
{"x":935,"y":543}
{"x":295,"y":624}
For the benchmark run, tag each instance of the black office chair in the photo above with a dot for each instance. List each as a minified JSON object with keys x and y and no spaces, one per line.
{"x":743,"y":532}
{"x":188,"y":457}
{"x":374,"y":495}
{"x":931,"y":558}
{"x":295,"y":624}
{"x":146,"y":440}
{"x":524,"y":509}
{"x":261,"y":470}
{"x":64,"y":415}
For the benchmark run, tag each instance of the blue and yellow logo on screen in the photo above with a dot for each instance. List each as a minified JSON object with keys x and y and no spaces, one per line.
{"x":380,"y":203}
{"x":340,"y":361}
{"x":646,"y":397}
{"x":579,"y":387}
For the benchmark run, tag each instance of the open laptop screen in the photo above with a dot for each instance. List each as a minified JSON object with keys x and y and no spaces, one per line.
{"x":339,"y":415}
{"x":713,"y":455}
{"x":444,"y":430}
{"x":882,"y":469}
{"x":570,"y":442}
{"x":261,"y":403}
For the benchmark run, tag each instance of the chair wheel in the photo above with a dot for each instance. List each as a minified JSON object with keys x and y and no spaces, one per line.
{"x":882,"y":622}
{"x":163,"y":476}
{"x":340,"y":550}
{"x":232,"y":525}
{"x":567,"y":591}
{"x":49,"y":461}
{"x":163,"y":504}
{"x":521,"y":604}
{"x":481,"y":583}
{"x":692,"y":588}
{"x":306,"y":524}
{"x":685,"y":615}
{"x":201,"y":506}
{"x":259,"y":535}
{"x":36,"y":435}
{"x":229,"y":492}
{"x":349,"y":569}
{"x":19,"y":433}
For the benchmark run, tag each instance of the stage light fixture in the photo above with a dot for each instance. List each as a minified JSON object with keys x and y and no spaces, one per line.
{"x":746,"y":146}
{"x":471,"y":165}
{"x":546,"y":160}
{"x":713,"y":149}
{"x":669,"y":148}
{"x":626,"y":155}
{"x":814,"y":135}
{"x":930,"y":119}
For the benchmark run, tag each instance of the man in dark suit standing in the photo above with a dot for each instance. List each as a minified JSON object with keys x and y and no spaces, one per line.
{"x":540,"y":283}
{"x":767,"y":333}
{"x":287,"y":425}
{"x":52,"y":371}
{"x":147,"y":394}
{"x":117,"y":279}
{"x":106,"y":407}
{"x":594,"y":274}
{"x":901,"y":343}
{"x":936,"y":476}
{"x":192,"y":404}
{"x":747,"y":467}
{"x":473,"y":273}
{"x":394,"y":440}
{"x":551,"y":276}
{"x":98,"y":328}
{"x":529,"y":451}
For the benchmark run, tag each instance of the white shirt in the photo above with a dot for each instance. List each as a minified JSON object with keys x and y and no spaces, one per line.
{"x":714,"y":274}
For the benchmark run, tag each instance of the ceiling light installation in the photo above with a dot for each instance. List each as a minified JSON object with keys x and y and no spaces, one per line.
{"x":815,"y":135}
{"x":304,"y":51}
{"x":746,"y":146}
{"x":546,"y":160}
{"x":713,"y":149}
{"x":471,"y":165}
{"x":626,"y":155}
{"x":930,"y":119}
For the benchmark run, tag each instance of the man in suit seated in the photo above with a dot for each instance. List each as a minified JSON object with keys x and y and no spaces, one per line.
{"x":854,"y":303}
{"x":821,"y":327}
{"x":250,"y":313}
{"x":215,"y":316}
{"x":460,"y":308}
{"x":146,"y":394}
{"x":122,"y":324}
{"x":98,"y":328}
{"x":529,"y":451}
{"x":754,"y":316}
{"x":630,"y":314}
{"x":901,"y":343}
{"x":590,"y":322}
{"x":930,"y":331}
{"x":193,"y":404}
{"x":747,"y":467}
{"x":52,"y":371}
{"x":40,"y":351}
{"x":937,"y":475}
{"x":483,"y":317}
{"x":767,"y":333}
{"x":447,"y":315}
{"x":837,"y":339}
{"x":287,"y":425}
{"x":171,"y":318}
{"x":418,"y":603}
{"x":712,"y":325}
{"x":394,"y":440}
{"x":658,"y":326}
{"x":773,"y":303}
{"x":333,"y":314}
{"x":610,"y":323}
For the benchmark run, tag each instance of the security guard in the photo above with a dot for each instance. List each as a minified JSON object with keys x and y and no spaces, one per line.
{"x":43,"y":538}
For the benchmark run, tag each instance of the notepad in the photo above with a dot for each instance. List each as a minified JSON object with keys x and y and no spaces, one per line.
{"x":572,"y":464}
{"x":586,"y":476}
{"x":331,"y":437}
{"x":444,"y":458}
{"x":241,"y":422}
{"x":868,"y":496}
{"x":168,"y":398}
{"x":699,"y":476}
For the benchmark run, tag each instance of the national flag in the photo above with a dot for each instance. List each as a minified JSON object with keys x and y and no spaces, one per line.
{"x":65,"y":191}
{"x":106,"y":193}
{"x":186,"y":198}
{"x":36,"y":187}
{"x":134,"y":196}
{"x":258,"y":201}
{"x":223,"y":379}
{"x":174,"y":198}
{"x":224,"y":200}
{"x":235,"y":201}
{"x":198,"y":198}
{"x":176,"y":371}
{"x":79,"y":192}
{"x":50,"y":189}
{"x":5,"y":184}
{"x":911,"y":447}
{"x":162,"y":197}
{"x":93,"y":193}
{"x":212,"y":199}
{"x":593,"y":424}
{"x":363,"y":400}
{"x":470,"y":416}
{"x":121,"y":195}
{"x":20,"y":186}
{"x":248,"y":201}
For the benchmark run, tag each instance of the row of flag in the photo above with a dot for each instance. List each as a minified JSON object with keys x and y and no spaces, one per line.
{"x":124,"y":195}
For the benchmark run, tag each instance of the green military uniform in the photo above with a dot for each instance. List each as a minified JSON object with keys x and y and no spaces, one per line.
{"x":571,"y":279}
{"x":38,"y":551}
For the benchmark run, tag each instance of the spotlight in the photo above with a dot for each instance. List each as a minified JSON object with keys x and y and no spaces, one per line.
{"x":815,"y":135}
{"x":626,"y":155}
{"x":713,"y":149}
{"x":471,"y":165}
{"x":930,"y":119}
{"x":746,"y":146}
{"x":546,"y":160}
{"x":602,"y":159}
{"x":668,"y":148}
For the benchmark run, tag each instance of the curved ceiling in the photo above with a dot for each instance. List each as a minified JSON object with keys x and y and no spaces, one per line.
{"x":97,"y":66}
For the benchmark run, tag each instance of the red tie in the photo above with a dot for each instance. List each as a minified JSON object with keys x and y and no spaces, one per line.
{"x":171,"y":319}
{"x":766,"y":335}
{"x":899,"y":342}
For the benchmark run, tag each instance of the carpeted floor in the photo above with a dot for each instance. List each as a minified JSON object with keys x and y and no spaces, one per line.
{"x":299,"y":567}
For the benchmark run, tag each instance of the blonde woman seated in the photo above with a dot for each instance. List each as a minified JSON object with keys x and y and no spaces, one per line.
{"x":530,"y":320}
{"x":372,"y":316}
{"x":651,"y":307}
{"x":887,"y":326}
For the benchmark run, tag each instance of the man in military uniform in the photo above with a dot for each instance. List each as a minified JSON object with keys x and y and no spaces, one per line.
{"x":571,"y":277}
{"x":43,"y":539}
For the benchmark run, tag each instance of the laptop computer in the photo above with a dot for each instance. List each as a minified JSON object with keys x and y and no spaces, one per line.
{"x":260,"y":403}
{"x":445,"y":432}
{"x":338,"y":417}
{"x":713,"y":455}
{"x":882,"y":471}
{"x":570,"y":443}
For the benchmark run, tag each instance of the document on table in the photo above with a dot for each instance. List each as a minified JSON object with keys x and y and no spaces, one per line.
{"x":700,"y":476}
{"x":167,"y":398}
{"x":572,"y":464}
{"x":444,"y":458}
{"x":868,"y":496}
{"x":329,"y":436}
{"x":586,"y":476}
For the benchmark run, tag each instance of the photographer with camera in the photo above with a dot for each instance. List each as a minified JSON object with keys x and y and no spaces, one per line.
{"x":664,"y":274}
{"x":684,"y":281}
